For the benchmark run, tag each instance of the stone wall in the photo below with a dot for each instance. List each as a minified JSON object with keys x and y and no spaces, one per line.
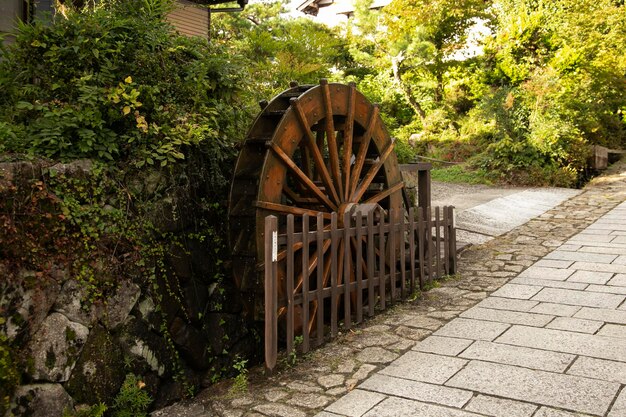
{"x":72,"y":350}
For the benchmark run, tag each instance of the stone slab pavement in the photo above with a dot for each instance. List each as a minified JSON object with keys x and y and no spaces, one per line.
{"x":535,"y":325}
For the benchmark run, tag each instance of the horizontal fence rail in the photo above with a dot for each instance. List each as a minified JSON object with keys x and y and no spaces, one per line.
{"x":323,"y":273}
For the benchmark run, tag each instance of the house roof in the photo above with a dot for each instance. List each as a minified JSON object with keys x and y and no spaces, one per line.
{"x":312,"y":6}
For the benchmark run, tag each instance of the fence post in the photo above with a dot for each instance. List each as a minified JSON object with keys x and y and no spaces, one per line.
{"x":423,"y":185}
{"x":271,"y":293}
{"x":452,"y":243}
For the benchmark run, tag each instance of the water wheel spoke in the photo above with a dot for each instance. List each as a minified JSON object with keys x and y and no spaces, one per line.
{"x":384,"y":194}
{"x":371,"y":173}
{"x":281,"y":208}
{"x":331,"y":138}
{"x":362,"y":152}
{"x":304,"y":179}
{"x":315,"y":151}
{"x":347,"y":139}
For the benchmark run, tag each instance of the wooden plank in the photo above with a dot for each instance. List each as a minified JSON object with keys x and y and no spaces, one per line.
{"x":320,"y":280}
{"x":392,"y":255}
{"x":371,"y":261}
{"x":305,"y":283}
{"x":402,"y":234}
{"x":348,"y":133}
{"x":452,"y":249}
{"x":271,"y":294}
{"x":428,"y":254}
{"x":446,"y":240}
{"x":346,"y":271}
{"x":381,"y":261}
{"x":290,"y":281}
{"x":334,"y":301}
{"x":412,"y":248}
{"x":421,"y":234}
{"x":438,"y":242}
{"x":359,"y":267}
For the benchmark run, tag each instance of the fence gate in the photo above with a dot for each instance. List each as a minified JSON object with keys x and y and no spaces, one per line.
{"x":329,"y":271}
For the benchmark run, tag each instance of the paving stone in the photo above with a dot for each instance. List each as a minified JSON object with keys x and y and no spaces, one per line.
{"x":618,"y":280}
{"x":590,"y":266}
{"x":566,"y":342}
{"x":581,"y":257}
{"x":346,"y":366}
{"x":332,"y":380}
{"x":311,"y":401}
{"x":355,"y":403}
{"x":422,"y":322}
{"x":363,"y":371}
{"x":276,"y":395}
{"x":575,"y":325}
{"x":305,"y":387}
{"x":599,"y":369}
{"x":590,"y":277}
{"x":499,"y":407}
{"x":279,"y":410}
{"x":412,"y":333}
{"x":579,"y":298}
{"x":524,"y":292}
{"x":416,"y":390}
{"x":517,"y":355}
{"x":552,"y":263}
{"x":549,"y":283}
{"x":242,"y":401}
{"x":442,"y":345}
{"x":543,"y":272}
{"x":375,"y":355}
{"x":396,"y":407}
{"x":424,"y":367}
{"x":472,"y":329}
{"x":337,"y":391}
{"x":619,"y":407}
{"x":606,"y":288}
{"x":503,"y":316}
{"x":402,"y":345}
{"x":555,"y":309}
{"x":613,"y":330}
{"x":327,"y":414}
{"x":587,"y":237}
{"x":602,"y":314}
{"x":605,"y":249}
{"x":444,"y":315}
{"x":551,"y":412}
{"x":547,"y":388}
{"x":498,"y":303}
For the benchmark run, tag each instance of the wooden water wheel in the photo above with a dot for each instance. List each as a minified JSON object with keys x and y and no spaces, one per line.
{"x":312,"y":149}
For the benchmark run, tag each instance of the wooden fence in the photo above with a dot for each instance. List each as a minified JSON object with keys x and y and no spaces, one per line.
{"x":386,"y":258}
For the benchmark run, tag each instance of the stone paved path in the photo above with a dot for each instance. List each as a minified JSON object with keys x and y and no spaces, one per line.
{"x":534,"y":326}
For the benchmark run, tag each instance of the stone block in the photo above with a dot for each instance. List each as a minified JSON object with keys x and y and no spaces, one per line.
{"x":619,"y":407}
{"x":555,"y":309}
{"x":618,"y":280}
{"x":590,"y":277}
{"x":416,"y":390}
{"x":442,"y":345}
{"x":499,"y":407}
{"x":599,"y":369}
{"x":581,"y":257}
{"x":566,"y":342}
{"x":549,"y":283}
{"x":613,"y":330}
{"x":544,"y":272}
{"x":55,"y":348}
{"x":498,"y":303}
{"x":424,"y":367}
{"x":547,"y":388}
{"x":517,"y":355}
{"x":551,"y":412}
{"x":594,"y":266}
{"x":503,"y":316}
{"x":396,"y":407}
{"x":552,"y":263}
{"x":611,"y":289}
{"x":524,"y":292}
{"x":575,"y":325}
{"x":40,"y":400}
{"x":579,"y":298}
{"x":279,"y":410}
{"x":472,"y":329}
{"x":355,"y":403}
{"x":602,"y":314}
{"x":376,"y":355}
{"x":592,"y":237}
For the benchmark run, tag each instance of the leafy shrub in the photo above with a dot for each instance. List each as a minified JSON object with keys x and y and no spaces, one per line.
{"x":115,"y":82}
{"x":132,"y":400}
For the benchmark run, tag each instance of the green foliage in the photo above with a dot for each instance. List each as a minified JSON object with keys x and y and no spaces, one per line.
{"x":9,"y":375}
{"x":96,"y":410}
{"x":116,"y":83}
{"x":240,"y":382}
{"x":461,"y":174}
{"x":132,"y":400}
